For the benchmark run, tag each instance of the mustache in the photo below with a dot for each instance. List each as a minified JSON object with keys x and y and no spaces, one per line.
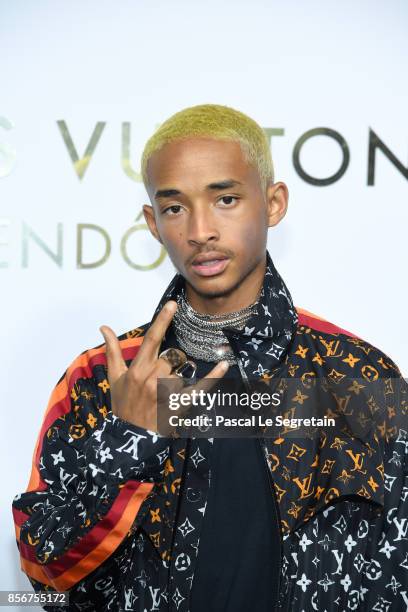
{"x":227,"y":252}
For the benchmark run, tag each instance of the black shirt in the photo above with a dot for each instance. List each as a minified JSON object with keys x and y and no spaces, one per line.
{"x":239,"y":552}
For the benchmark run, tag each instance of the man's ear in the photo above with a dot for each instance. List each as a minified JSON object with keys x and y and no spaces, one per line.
{"x":277,"y":197}
{"x":151,"y":221}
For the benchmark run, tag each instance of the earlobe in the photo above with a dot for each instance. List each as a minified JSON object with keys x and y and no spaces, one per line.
{"x":277,"y":202}
{"x":151,"y":221}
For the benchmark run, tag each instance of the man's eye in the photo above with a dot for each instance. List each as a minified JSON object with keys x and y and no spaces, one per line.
{"x":229,"y":198}
{"x":173,"y":212}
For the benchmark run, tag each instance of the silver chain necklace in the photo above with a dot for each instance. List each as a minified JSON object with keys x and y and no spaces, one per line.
{"x":201,"y":336}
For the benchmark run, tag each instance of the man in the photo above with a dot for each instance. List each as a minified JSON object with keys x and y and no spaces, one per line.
{"x":126,"y":519}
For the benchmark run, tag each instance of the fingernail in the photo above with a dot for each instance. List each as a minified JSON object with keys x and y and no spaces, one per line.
{"x":224,"y":365}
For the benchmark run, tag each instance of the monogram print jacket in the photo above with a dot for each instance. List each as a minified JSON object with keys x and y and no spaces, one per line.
{"x":112,"y":512}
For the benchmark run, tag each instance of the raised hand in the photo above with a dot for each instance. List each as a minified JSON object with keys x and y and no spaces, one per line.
{"x":134,"y":388}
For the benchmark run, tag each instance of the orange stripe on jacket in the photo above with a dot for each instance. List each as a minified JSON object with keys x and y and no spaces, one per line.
{"x":319,"y":324}
{"x":97,"y":556}
{"x":302,"y":311}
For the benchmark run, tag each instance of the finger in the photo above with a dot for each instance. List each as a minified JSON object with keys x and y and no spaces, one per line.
{"x":149,"y":348}
{"x":114,"y":359}
{"x":218,"y":371}
{"x":163,"y":369}
{"x":167,"y":383}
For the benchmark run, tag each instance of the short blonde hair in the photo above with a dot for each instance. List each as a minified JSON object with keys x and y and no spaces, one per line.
{"x":219,"y":122}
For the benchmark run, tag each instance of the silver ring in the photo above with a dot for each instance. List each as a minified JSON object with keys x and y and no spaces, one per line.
{"x":186,"y":370}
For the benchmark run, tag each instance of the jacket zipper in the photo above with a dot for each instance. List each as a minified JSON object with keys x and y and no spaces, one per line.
{"x":262,"y":445}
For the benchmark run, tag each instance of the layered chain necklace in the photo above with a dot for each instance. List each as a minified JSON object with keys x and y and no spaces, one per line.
{"x":201,"y":336}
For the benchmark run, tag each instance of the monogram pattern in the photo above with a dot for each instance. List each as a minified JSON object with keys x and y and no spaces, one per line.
{"x":113,"y":512}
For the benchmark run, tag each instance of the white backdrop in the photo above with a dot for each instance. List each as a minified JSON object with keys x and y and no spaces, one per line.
{"x":292,"y":66}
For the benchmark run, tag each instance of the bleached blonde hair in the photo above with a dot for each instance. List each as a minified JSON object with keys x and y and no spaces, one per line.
{"x":221,"y":123}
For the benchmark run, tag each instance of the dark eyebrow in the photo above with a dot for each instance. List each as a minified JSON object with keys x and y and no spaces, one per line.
{"x":223,"y":184}
{"x":226,"y":184}
{"x":166,"y":193}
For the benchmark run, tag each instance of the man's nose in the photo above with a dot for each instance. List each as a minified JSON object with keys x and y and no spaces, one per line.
{"x":202,"y":227}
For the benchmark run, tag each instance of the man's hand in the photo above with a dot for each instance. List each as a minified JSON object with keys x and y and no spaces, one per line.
{"x":134,"y":389}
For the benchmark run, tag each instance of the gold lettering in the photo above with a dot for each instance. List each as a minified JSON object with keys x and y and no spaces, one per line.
{"x":79,"y":255}
{"x":80,"y":165}
{"x":123,"y":248}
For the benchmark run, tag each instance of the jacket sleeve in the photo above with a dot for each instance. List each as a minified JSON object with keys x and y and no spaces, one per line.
{"x":385,"y":584}
{"x":91,"y":474}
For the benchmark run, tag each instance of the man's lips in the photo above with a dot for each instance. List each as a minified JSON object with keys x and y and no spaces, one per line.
{"x":210,"y":264}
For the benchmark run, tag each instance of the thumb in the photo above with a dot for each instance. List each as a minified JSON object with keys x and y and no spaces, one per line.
{"x":208,"y":381}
